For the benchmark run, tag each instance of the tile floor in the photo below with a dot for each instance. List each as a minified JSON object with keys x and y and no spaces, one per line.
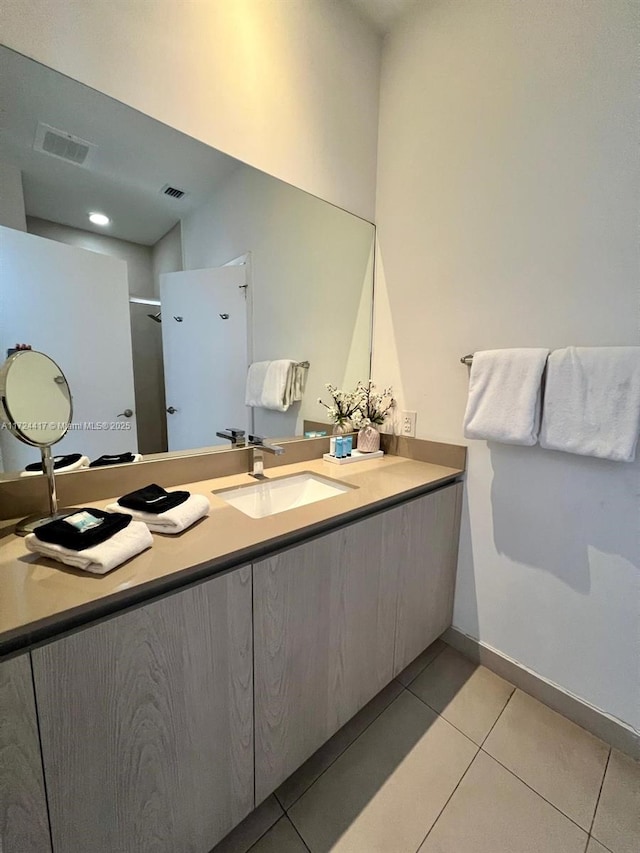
{"x":450,"y":758}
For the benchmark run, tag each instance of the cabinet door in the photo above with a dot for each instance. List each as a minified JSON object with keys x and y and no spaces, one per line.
{"x":147,"y":724}
{"x":421,"y":538}
{"x":324,"y":616}
{"x":23,"y":810}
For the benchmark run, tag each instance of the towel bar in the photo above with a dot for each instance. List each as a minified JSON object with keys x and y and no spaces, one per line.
{"x":466,"y":359}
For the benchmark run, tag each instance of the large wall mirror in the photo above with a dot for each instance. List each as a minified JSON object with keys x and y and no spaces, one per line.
{"x":205,"y":266}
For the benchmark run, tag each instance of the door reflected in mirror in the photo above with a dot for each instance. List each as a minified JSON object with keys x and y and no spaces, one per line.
{"x":256,"y":270}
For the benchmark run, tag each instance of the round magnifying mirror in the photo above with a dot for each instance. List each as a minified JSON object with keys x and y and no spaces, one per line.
{"x":35,"y":405}
{"x":35,"y":398}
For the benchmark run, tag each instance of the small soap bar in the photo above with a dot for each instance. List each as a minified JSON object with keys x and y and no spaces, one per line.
{"x":82,"y":521}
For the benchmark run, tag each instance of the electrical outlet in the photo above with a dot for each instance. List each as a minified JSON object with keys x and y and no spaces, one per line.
{"x":408,"y":423}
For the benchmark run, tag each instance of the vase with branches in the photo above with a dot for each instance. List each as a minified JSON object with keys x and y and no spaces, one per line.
{"x":375,"y":408}
{"x":344,"y":409}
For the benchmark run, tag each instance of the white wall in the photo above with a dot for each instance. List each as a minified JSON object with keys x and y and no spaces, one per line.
{"x":290,"y":87}
{"x":137,"y":258}
{"x":146,"y":341}
{"x":311,"y":281}
{"x":12,"y":213}
{"x":508,"y":191}
{"x":166,"y":256}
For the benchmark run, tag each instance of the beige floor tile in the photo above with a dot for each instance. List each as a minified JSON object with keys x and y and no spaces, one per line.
{"x":421,"y":662}
{"x":469,"y":696}
{"x":252,"y":828}
{"x":295,"y":786}
{"x":494,"y":812}
{"x":595,"y":847}
{"x":617,"y":823}
{"x":281,"y":838}
{"x":386,"y":790}
{"x":562,"y":762}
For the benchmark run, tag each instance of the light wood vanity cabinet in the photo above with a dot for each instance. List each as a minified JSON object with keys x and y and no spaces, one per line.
{"x":329,"y":614}
{"x":147,"y":724}
{"x":421,"y":538}
{"x":23,"y":810}
{"x":324,"y":623}
{"x":148,"y":720}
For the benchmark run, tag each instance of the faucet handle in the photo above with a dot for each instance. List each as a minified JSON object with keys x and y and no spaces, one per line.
{"x":233,"y":434}
{"x":259,"y":442}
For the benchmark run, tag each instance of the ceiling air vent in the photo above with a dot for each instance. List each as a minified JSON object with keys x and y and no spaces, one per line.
{"x":65,"y":146}
{"x":172,"y":192}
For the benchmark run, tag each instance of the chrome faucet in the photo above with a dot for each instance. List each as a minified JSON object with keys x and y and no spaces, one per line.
{"x":257,"y":447}
{"x":233,"y":434}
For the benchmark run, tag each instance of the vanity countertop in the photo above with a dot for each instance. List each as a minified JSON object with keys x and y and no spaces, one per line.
{"x":40,"y":599}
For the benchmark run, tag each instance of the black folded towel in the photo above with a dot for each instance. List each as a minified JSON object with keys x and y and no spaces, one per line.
{"x":153,"y":498}
{"x":58,"y":462}
{"x":117,"y":459}
{"x":84,"y":529}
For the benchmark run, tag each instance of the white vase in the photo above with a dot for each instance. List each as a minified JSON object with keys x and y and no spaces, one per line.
{"x":342,"y":427}
{"x":368,"y":439}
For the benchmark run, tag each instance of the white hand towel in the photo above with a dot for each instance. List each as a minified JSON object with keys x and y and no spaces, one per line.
{"x":83,"y":462}
{"x":255,"y":383}
{"x":504,"y":395}
{"x":101,"y":558}
{"x":173,"y":520}
{"x":299,"y":382}
{"x":592,"y":402}
{"x":271,"y":384}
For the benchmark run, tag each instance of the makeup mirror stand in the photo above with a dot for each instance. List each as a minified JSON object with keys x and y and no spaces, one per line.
{"x":33,"y":392}
{"x":29,"y":524}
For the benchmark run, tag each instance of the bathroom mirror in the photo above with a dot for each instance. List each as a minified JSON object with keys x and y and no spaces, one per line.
{"x":36,"y":408}
{"x":205,"y":266}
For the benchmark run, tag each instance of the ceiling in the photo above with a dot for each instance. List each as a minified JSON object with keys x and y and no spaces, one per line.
{"x":382,"y":13}
{"x":135,"y":156}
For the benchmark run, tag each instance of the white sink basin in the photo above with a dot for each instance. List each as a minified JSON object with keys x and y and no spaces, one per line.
{"x":269,"y":497}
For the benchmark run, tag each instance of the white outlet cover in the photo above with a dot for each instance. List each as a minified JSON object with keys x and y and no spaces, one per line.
{"x":408,"y":423}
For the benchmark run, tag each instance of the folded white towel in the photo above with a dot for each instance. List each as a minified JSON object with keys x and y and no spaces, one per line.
{"x":101,"y":558}
{"x":592,"y":402}
{"x":504,"y":395}
{"x":83,"y":462}
{"x":173,"y":520}
{"x":278,"y":385}
{"x":299,"y":377}
{"x":255,"y":383}
{"x":275,"y":384}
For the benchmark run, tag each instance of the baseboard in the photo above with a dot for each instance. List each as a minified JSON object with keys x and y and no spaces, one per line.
{"x":600,"y":724}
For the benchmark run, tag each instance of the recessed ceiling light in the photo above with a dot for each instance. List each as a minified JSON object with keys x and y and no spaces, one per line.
{"x":99,"y":219}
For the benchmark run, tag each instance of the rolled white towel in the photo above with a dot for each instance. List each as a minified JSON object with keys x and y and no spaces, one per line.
{"x":173,"y":520}
{"x":102,"y":558}
{"x":81,"y":463}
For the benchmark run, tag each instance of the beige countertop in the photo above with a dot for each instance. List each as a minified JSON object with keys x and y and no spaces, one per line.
{"x":40,"y":599}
